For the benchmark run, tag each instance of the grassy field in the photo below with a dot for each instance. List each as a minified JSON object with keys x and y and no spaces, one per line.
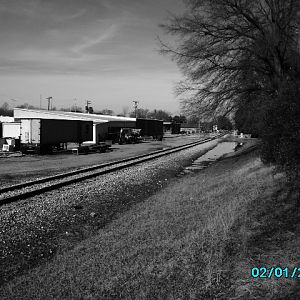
{"x":196,"y":239}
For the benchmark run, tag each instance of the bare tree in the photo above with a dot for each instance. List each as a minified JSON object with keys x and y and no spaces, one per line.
{"x":159,"y":114}
{"x":125,"y":111}
{"x":73,"y":108}
{"x":229,"y":48}
{"x":28,"y":106}
{"x":141,"y":113}
{"x":5,"y":110}
{"x":105,"y":111}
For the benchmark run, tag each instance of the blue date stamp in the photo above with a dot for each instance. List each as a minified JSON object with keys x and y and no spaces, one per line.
{"x":276,"y":272}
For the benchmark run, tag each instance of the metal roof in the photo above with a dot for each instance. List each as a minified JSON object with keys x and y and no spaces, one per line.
{"x":20,"y":113}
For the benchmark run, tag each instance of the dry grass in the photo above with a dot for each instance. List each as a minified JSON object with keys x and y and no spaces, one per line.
{"x":270,"y":238}
{"x":190,"y":241}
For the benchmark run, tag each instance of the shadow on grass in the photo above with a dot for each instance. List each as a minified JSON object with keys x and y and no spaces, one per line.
{"x":268,"y":236}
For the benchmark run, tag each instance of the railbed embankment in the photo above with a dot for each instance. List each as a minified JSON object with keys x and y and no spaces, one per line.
{"x":197,"y":238}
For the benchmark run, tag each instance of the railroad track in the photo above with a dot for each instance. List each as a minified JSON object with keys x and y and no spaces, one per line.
{"x":35,"y":187}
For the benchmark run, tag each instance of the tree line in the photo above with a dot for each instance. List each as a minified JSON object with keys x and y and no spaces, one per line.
{"x":240,"y":58}
{"x":158,"y":114}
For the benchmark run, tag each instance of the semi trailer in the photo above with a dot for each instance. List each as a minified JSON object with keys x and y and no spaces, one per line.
{"x":149,"y":127}
{"x":42,"y":135}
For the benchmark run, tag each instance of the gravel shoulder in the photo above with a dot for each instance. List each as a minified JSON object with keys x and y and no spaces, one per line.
{"x":22,"y":168}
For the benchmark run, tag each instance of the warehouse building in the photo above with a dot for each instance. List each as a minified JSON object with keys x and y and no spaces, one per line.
{"x":104,"y":127}
{"x":172,"y":127}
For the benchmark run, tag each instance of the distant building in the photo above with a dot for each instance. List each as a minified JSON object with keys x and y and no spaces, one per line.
{"x":171,"y":127}
{"x":167,"y":126}
{"x":190,"y":128}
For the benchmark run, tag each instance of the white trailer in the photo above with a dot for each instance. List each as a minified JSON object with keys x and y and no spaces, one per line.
{"x":42,"y":134}
{"x":11,"y":130}
{"x":30,"y":131}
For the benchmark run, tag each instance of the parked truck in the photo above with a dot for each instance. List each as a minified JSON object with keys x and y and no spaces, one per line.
{"x":130,"y":136}
{"x":42,"y":135}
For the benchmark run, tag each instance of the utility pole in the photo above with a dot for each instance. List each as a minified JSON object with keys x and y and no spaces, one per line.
{"x":49,"y":100}
{"x":87,"y":108}
{"x":135,"y":105}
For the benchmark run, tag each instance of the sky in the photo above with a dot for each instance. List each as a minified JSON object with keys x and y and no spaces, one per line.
{"x":105,"y":51}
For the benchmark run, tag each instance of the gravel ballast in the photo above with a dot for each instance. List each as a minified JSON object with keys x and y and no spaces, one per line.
{"x":33,"y":230}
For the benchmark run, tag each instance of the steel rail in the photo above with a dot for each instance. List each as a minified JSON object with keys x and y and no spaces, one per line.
{"x":87,"y":169}
{"x":115,"y":165}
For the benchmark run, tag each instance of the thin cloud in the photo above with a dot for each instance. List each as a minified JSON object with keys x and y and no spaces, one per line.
{"x":92,"y":41}
{"x":99,"y":44}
